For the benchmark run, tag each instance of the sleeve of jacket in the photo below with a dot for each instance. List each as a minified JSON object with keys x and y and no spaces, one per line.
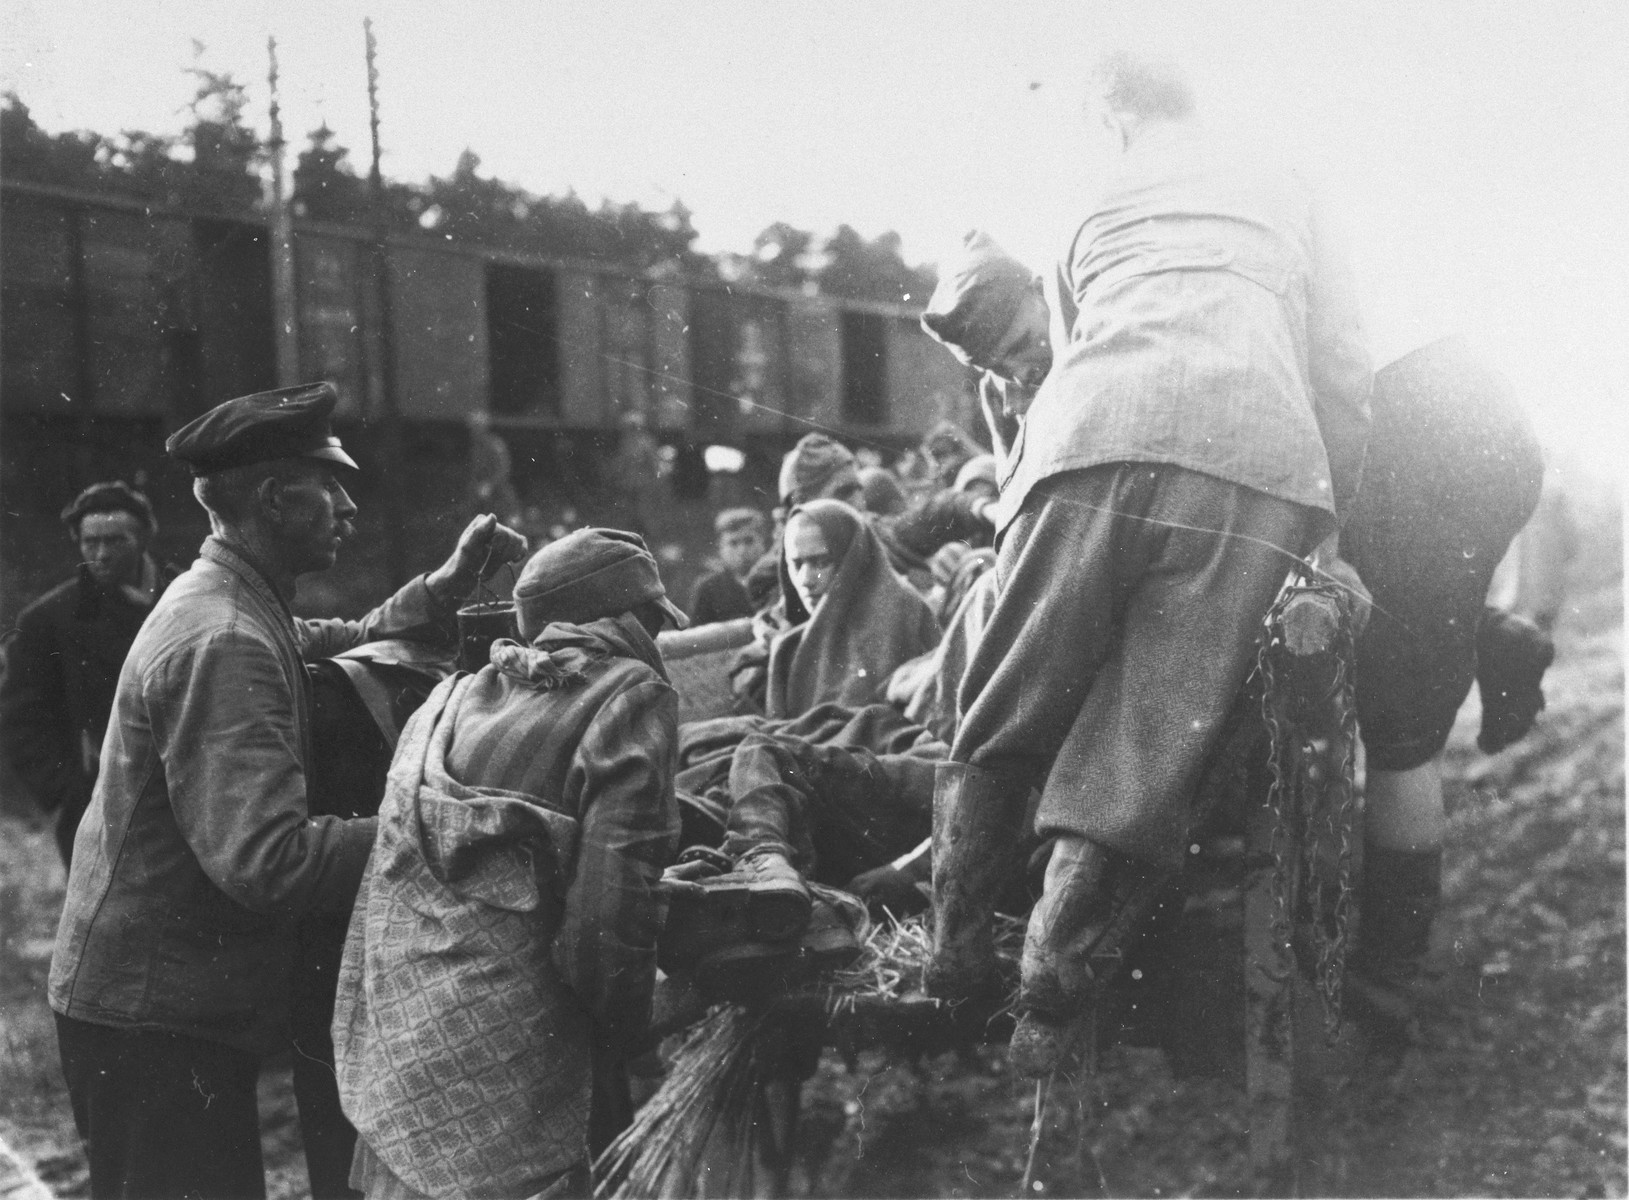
{"x":36,"y":726}
{"x":412,"y":613}
{"x":1340,"y":370}
{"x":606,"y":945}
{"x":225,"y":726}
{"x":944,"y":517}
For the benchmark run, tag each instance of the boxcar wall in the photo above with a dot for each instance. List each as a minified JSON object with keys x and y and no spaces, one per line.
{"x":119,"y":321}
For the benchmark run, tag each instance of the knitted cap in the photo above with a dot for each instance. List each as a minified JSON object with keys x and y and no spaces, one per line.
{"x":111,"y":496}
{"x":588,"y":574}
{"x":816,"y":467}
{"x":978,"y":296}
{"x":880,"y":491}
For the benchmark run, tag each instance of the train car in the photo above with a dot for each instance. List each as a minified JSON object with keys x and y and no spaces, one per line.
{"x":111,"y":307}
{"x":120,"y":321}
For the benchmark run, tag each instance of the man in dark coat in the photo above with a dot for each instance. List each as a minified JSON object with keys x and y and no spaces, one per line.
{"x":62,"y":665}
{"x":198,"y":853}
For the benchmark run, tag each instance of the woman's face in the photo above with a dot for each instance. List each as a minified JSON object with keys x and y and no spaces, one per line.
{"x":809,"y":561}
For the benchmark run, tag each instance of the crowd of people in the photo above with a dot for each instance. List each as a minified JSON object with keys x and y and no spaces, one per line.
{"x":992,"y":691}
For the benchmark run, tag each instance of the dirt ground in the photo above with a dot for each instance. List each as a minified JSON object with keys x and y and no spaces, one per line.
{"x":1520,"y":1090}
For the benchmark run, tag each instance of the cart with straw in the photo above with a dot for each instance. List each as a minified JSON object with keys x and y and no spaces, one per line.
{"x":1230,"y":964}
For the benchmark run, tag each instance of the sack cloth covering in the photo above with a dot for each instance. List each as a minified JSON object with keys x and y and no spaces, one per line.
{"x":465,"y":1065}
{"x":866,"y":625}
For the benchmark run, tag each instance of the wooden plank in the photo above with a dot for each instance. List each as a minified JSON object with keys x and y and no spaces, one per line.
{"x":37,"y":342}
{"x":329,"y":274}
{"x":815,"y":343}
{"x":438,"y":303}
{"x":582,"y":391}
{"x":670,"y":349}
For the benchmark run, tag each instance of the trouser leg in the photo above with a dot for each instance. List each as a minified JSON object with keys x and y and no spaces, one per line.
{"x":162,"y":1114}
{"x":832,"y":812}
{"x":1130,"y":606}
{"x":328,"y":1137}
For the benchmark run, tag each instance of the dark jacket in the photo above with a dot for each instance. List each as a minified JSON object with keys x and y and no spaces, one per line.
{"x":61,"y":670}
{"x":198,"y":851}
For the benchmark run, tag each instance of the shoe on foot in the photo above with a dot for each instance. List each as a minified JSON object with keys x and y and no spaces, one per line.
{"x":1512,"y":655}
{"x":756,"y":970}
{"x":763,"y":900}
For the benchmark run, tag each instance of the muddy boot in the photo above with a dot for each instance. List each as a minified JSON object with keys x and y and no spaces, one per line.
{"x":1387,"y":984}
{"x":764,"y":899}
{"x":1056,"y":979}
{"x":755,"y":971}
{"x":978,"y":818}
{"x":1512,"y":655}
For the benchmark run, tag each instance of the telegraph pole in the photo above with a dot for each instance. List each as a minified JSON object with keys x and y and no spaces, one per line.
{"x":390,"y":426}
{"x":285,"y":310}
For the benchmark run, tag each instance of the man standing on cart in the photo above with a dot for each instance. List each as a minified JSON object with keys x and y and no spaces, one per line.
{"x":1203,"y":424}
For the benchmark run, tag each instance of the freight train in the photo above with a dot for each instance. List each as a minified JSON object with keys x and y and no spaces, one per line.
{"x":111,"y":307}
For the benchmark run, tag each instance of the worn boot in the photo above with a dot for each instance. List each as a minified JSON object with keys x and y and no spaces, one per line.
{"x":754,"y":971}
{"x":978,"y":824}
{"x":1056,"y":978}
{"x":764,"y":899}
{"x":1512,"y":655}
{"x":1387,"y":986}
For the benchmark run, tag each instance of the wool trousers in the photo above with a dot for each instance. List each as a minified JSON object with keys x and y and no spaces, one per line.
{"x":1131,"y":601}
{"x":833,"y":812}
{"x":163,"y":1114}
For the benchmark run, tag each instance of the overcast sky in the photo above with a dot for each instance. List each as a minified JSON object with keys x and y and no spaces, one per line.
{"x":1477,"y":153}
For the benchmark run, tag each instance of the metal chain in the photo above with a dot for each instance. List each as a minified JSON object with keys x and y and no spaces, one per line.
{"x":1280,"y":766}
{"x":1313,"y":800}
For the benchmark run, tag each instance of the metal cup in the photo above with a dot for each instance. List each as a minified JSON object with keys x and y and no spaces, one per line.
{"x":479,"y":625}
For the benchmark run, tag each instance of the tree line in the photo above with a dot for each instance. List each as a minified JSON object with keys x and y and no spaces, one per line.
{"x":215,"y":165}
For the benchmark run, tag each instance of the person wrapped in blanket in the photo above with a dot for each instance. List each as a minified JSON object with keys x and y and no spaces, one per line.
{"x":820,"y":468}
{"x":1451,"y":475}
{"x":845,"y":620}
{"x":506,"y":927}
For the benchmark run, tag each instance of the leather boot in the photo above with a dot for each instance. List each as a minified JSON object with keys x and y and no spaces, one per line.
{"x":1388,"y":987}
{"x":1512,"y":655}
{"x":751,"y":972}
{"x":763,"y":900}
{"x":978,"y":819}
{"x":1055,"y":986}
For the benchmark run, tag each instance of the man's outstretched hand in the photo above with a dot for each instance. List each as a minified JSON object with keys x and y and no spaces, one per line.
{"x":484,"y":546}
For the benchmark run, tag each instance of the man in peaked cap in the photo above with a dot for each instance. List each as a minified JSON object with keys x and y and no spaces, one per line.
{"x":558,"y":756}
{"x":61,"y":667}
{"x":198,"y":852}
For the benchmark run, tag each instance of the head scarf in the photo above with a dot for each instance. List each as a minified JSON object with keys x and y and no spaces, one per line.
{"x":868,"y":623}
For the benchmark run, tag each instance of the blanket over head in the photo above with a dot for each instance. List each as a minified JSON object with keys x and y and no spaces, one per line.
{"x":462,"y":1055}
{"x":866,"y":625}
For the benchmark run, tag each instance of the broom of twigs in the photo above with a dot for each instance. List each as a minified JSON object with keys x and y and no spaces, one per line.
{"x":698,"y":1134}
